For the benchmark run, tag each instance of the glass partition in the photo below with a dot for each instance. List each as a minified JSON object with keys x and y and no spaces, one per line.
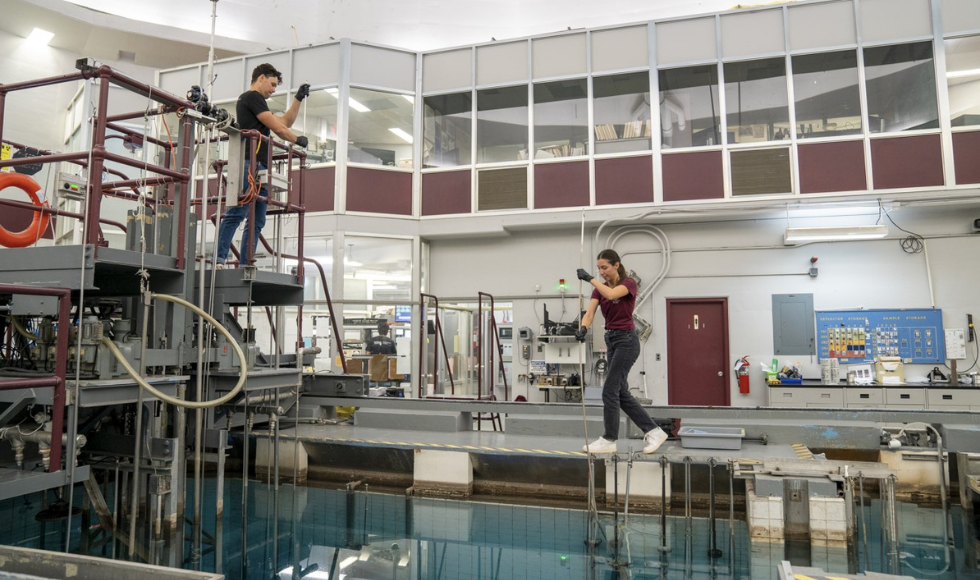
{"x":447,"y":130}
{"x":963,"y":80}
{"x":502,"y":124}
{"x":756,"y":100}
{"x":689,"y":108}
{"x":380,"y":128}
{"x":377,"y":268}
{"x":561,"y":119}
{"x":825,"y":88}
{"x":622,"y":112}
{"x":317,"y":119}
{"x":901,"y":83}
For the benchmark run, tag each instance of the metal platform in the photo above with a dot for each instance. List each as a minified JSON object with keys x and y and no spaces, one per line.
{"x":15,"y":482}
{"x":238,"y":286}
{"x":23,"y":563}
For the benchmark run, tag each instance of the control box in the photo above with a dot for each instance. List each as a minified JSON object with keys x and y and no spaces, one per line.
{"x":860,"y":336}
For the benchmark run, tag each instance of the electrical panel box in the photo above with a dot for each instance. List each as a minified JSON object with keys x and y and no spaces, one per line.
{"x":859,"y":336}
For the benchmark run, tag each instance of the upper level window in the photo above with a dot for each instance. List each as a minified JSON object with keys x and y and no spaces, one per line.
{"x":447,"y":129}
{"x":622,"y":112}
{"x":901,"y":82}
{"x":756,"y":101}
{"x":690,"y":114}
{"x":825,"y":88}
{"x":963,"y":80}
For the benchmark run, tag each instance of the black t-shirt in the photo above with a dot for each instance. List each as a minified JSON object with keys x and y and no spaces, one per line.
{"x":250,"y":106}
{"x":380,"y":345}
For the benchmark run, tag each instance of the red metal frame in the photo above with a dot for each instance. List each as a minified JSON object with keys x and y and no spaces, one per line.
{"x":60,"y":369}
{"x":440,"y":339}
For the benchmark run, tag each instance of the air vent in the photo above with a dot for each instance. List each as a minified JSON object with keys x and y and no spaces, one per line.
{"x":502,"y":188}
{"x":761,"y":171}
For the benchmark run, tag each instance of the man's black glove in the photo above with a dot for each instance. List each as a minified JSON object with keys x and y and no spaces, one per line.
{"x":584,"y":276}
{"x":580,"y":333}
{"x":302,"y":141}
{"x":303,"y":92}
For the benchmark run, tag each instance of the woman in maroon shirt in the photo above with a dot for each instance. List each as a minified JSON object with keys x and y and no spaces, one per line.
{"x":616,"y":296}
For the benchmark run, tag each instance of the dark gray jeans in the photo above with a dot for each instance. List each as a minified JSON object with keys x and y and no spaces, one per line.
{"x":622,"y":350}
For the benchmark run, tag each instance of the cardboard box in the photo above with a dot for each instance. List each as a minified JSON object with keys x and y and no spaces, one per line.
{"x":890,"y":370}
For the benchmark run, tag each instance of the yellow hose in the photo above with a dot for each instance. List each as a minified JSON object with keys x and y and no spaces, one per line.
{"x":167,"y":398}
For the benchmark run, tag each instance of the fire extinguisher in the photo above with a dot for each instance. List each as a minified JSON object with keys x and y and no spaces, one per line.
{"x":742,"y":369}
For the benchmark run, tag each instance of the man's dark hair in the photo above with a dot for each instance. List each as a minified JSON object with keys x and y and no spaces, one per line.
{"x":382,"y":328}
{"x":267,"y":70}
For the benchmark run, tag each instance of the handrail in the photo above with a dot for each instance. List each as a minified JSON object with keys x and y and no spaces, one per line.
{"x":440,"y":337}
{"x":60,"y":368}
{"x":494,"y":339}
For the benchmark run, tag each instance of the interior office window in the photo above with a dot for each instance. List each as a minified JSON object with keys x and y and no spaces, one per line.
{"x":317,"y":120}
{"x":756,"y":100}
{"x":901,"y":85}
{"x":621,"y":105}
{"x":502,"y":124}
{"x":381,"y":126}
{"x":963,"y":80}
{"x":377,"y":268}
{"x":447,"y":130}
{"x":561,"y":119}
{"x":689,"y":107}
{"x":825,"y":88}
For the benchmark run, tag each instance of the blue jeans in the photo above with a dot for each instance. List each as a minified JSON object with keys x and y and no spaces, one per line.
{"x":234,"y":217}
{"x":622,"y":350}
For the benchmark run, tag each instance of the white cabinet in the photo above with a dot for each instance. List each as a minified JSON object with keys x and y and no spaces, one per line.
{"x":875,"y":397}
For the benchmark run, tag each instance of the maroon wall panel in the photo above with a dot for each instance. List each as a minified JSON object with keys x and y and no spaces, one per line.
{"x":447,"y":192}
{"x":689,"y":176}
{"x":318,"y":188}
{"x":827,"y":167}
{"x":379,"y":191}
{"x":907,"y":162}
{"x":966,"y":153}
{"x":561,"y":184}
{"x":624,"y":180}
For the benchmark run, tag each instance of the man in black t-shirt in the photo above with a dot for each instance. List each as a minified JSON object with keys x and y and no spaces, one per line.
{"x":381,"y":344}
{"x":253,"y":113}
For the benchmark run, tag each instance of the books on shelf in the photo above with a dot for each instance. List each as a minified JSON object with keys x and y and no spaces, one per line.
{"x":606,"y":132}
{"x":630,"y":130}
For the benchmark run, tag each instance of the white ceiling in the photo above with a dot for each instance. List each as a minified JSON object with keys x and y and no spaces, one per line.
{"x":253,"y":26}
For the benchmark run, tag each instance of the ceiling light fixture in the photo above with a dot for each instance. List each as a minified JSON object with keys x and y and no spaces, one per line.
{"x":835,"y":233}
{"x":348,"y":561}
{"x":956,"y":74}
{"x":358,"y":106}
{"x":405,"y":136}
{"x":409,"y":98}
{"x":40,"y":36}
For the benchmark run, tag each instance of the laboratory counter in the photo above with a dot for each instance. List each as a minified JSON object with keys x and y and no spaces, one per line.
{"x":937,"y":396}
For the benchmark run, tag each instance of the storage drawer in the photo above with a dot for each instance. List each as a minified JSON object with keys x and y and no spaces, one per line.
{"x":833,"y":398}
{"x":905,"y":396}
{"x":785,"y":397}
{"x":961,"y":399}
{"x":864,"y":396}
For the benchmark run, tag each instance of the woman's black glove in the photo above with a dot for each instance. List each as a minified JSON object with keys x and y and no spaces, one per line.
{"x":302,"y":141}
{"x":580,"y":333}
{"x":583,"y":275}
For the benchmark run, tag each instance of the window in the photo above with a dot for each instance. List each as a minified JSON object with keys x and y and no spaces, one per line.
{"x":622,"y":112}
{"x":501,"y":132}
{"x":689,"y":109}
{"x":380,"y":128}
{"x":755,"y":94}
{"x":317,"y":120}
{"x":561,"y":119}
{"x":901,"y":84}
{"x":963,"y":80}
{"x":447,"y":130}
{"x":377,"y":269}
{"x":825,"y":87}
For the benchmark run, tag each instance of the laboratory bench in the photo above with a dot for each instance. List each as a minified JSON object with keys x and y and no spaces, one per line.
{"x":936,"y":396}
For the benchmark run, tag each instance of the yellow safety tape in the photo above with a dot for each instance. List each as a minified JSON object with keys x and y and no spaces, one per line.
{"x":803,"y":577}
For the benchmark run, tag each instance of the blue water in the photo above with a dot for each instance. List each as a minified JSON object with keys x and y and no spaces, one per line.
{"x":371,"y":535}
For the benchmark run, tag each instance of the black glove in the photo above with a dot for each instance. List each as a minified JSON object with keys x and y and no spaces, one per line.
{"x":303,"y":92}
{"x":583,"y":275}
{"x":302,"y":141}
{"x":580,"y":333}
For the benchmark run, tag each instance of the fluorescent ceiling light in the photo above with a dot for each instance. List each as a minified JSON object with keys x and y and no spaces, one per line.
{"x":40,"y":36}
{"x":332,"y":91}
{"x":797,"y":235}
{"x":348,"y":561}
{"x":956,"y":74}
{"x":358,"y":106}
{"x":405,"y":136}
{"x":409,"y":98}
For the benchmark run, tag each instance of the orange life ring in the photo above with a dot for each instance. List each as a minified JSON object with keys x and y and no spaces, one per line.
{"x":38,"y":226}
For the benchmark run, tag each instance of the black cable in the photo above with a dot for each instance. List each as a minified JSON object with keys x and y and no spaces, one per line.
{"x":914,"y":243}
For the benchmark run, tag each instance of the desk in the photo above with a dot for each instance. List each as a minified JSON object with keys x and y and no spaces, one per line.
{"x":905,"y":396}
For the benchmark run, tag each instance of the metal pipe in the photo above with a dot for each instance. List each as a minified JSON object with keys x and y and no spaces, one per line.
{"x":663,"y":505}
{"x":53,"y":211}
{"x":892,"y":521}
{"x":11,"y":87}
{"x":137,"y":452}
{"x":713,"y":551}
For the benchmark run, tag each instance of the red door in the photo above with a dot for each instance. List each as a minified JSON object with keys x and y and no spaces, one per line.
{"x":697,"y":352}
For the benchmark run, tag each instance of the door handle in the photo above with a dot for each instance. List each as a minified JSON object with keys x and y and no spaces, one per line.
{"x":721,"y":373}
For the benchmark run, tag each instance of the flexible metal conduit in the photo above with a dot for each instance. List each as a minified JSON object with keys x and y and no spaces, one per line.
{"x":243,"y":371}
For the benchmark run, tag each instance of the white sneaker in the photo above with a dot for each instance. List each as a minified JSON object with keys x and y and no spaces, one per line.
{"x":654,"y":438}
{"x":600,"y":445}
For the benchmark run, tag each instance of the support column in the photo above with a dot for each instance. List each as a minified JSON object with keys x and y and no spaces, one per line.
{"x":645,"y":483}
{"x":764,"y":515}
{"x":290,"y":454}
{"x":443,"y":473}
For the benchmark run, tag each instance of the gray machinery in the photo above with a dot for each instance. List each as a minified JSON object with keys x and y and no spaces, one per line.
{"x":107,"y":349}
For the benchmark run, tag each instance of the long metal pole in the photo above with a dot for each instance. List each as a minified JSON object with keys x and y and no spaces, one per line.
{"x":134,"y":504}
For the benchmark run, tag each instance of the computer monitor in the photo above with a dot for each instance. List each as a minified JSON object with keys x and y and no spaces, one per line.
{"x":403,"y":313}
